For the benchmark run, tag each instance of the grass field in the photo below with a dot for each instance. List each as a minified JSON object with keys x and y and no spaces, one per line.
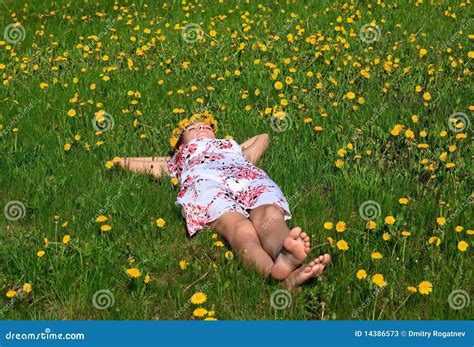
{"x":356,"y":96}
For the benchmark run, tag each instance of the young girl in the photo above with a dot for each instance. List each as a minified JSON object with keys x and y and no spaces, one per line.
{"x":221,"y":189}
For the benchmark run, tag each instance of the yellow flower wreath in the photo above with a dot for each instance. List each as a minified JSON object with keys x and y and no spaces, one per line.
{"x":205,"y":117}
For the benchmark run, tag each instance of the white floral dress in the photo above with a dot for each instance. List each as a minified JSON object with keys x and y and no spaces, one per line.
{"x":217,"y":178}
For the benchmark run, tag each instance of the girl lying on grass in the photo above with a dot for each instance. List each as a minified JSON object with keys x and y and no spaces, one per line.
{"x":221,"y":189}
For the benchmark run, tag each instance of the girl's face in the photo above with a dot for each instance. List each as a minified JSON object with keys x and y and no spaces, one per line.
{"x":197,"y":131}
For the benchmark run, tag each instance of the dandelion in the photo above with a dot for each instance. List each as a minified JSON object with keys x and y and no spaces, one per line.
{"x":219,"y":244}
{"x":101,"y":219}
{"x":11,"y":294}
{"x":371,"y":225}
{"x":109,"y":164}
{"x":403,"y":201}
{"x":133,"y":272}
{"x":376,"y":255}
{"x":278,"y":85}
{"x":183,"y":264}
{"x":27,"y":287}
{"x":67,"y":147}
{"x":427,"y":96}
{"x":160,"y":222}
{"x":146,"y":280}
{"x":198,"y":298}
{"x":463,"y":246}
{"x":434,"y":240}
{"x":361,"y":274}
{"x":386,"y":236}
{"x":342,"y":245}
{"x":340,"y":226}
{"x":174,"y":181}
{"x":229,"y":255}
{"x":327,"y":225}
{"x":379,"y":280}
{"x":350,"y":95}
{"x":40,"y":253}
{"x":458,"y":229}
{"x":71,"y":113}
{"x":390,"y":220}
{"x":441,"y":220}
{"x":66,"y":239}
{"x":425,"y":288}
{"x":105,"y":227}
{"x":331,"y":241}
{"x":412,"y":289}
{"x":199,"y":312}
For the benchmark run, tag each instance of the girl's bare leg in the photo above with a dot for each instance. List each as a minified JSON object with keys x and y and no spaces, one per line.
{"x":239,"y":231}
{"x":273,"y":233}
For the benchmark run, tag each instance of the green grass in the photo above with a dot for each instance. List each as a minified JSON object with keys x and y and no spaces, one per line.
{"x":75,"y":185}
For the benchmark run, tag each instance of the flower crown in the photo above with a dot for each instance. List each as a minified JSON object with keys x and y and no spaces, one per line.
{"x":205,"y":117}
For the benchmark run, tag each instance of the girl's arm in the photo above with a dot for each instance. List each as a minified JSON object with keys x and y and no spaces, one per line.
{"x":154,"y":166}
{"x":255,"y":147}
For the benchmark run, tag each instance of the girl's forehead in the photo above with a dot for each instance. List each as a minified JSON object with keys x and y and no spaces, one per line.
{"x":197,"y":124}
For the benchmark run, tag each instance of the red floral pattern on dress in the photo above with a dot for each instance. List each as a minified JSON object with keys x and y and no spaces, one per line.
{"x":216,"y":178}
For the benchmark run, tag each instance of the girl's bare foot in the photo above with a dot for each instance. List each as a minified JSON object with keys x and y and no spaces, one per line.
{"x":297,"y":249}
{"x":305,"y":272}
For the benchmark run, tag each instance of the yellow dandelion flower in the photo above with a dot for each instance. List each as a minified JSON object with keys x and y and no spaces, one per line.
{"x":229,"y":255}
{"x":71,"y":113}
{"x":427,"y":96}
{"x":146,"y":279}
{"x":198,"y":298}
{"x":340,"y":226}
{"x":331,"y":241}
{"x":371,"y":225}
{"x":386,"y":236}
{"x":350,"y":95}
{"x":11,"y":294}
{"x":109,"y":164}
{"x":342,"y":245}
{"x":376,"y":255}
{"x":101,"y":219}
{"x":327,"y":225}
{"x":199,"y":312}
{"x":403,"y":201}
{"x":278,"y":85}
{"x":160,"y":222}
{"x":105,"y":227}
{"x":379,"y":280}
{"x":425,"y":288}
{"x":66,"y":239}
{"x":219,"y":244}
{"x":441,"y":220}
{"x":27,"y":287}
{"x":412,"y":289}
{"x":183,"y":264}
{"x":133,"y":272}
{"x":361,"y":274}
{"x":390,"y":220}
{"x":434,"y":240}
{"x":463,"y":246}
{"x":41,"y":253}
